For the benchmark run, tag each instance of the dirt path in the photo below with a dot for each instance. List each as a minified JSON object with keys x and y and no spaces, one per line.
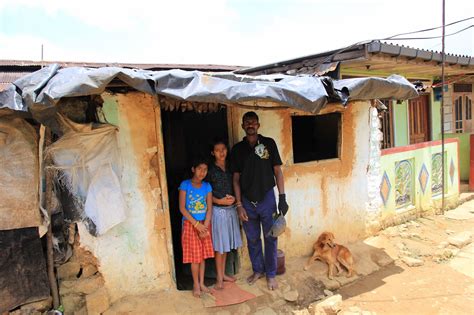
{"x":444,"y":284}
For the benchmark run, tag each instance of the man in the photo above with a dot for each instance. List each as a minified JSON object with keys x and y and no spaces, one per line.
{"x":255,"y":164}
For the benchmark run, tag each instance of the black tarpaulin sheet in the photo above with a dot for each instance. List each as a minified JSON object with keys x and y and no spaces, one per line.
{"x":23,"y":276}
{"x":38,"y":92}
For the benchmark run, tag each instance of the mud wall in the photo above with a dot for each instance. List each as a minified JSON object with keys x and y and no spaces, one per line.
{"x":323,"y":195}
{"x":134,"y":256}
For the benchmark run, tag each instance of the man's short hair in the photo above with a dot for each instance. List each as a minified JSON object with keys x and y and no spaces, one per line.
{"x":249,"y":115}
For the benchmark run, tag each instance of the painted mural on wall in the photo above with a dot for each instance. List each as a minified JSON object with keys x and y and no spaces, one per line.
{"x":403,"y":183}
{"x":437,"y":174}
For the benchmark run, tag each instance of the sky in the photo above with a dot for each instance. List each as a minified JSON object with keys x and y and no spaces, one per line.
{"x":228,"y":32}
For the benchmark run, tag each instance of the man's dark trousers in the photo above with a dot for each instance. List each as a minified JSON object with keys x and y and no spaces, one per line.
{"x":260,"y":216}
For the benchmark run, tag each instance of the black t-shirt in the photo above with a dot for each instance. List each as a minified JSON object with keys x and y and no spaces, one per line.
{"x":255,"y":165}
{"x":221,"y":181}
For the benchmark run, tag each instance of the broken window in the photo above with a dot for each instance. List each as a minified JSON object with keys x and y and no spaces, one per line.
{"x":316,"y":137}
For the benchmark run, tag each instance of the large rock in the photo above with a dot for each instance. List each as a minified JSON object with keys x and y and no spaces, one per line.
{"x":72,"y":303}
{"x":84,"y":286}
{"x":97,"y":302}
{"x":69,"y":270}
{"x":330,"y":306}
{"x":88,"y":271}
{"x":38,"y":306}
{"x":412,"y":262}
{"x":460,"y":240}
{"x":291,"y":295}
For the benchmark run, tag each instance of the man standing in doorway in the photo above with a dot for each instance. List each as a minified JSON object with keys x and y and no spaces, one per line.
{"x":255,"y":164}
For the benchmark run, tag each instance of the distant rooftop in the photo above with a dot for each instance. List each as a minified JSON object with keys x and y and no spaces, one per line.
{"x":11,"y":70}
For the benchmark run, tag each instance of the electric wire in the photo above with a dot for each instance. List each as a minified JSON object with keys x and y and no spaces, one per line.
{"x":328,"y":58}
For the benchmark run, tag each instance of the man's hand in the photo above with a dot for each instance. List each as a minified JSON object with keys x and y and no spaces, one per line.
{"x":242,"y":213}
{"x":282,"y":205}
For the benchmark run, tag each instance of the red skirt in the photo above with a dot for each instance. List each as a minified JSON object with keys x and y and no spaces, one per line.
{"x":195,"y":249}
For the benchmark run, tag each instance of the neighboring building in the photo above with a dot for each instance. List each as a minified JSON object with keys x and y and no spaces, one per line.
{"x":411,"y":128}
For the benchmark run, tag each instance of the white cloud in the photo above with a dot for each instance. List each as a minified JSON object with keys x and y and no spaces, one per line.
{"x":217,"y":31}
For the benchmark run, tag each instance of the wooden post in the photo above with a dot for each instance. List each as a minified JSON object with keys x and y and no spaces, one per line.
{"x":49,"y":235}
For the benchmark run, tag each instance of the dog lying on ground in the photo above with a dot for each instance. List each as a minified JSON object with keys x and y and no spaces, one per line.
{"x":335,"y":255}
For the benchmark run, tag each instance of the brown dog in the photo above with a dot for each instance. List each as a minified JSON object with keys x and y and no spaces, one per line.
{"x":333,"y":254}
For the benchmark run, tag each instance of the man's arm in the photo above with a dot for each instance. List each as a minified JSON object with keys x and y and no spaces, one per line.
{"x":238,"y":197}
{"x":282,"y":205}
{"x":279,"y":179}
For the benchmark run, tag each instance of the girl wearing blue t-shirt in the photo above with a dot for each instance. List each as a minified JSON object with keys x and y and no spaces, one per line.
{"x":195,"y":204}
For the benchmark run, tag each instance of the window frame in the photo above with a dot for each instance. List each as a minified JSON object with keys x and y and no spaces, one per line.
{"x":339,"y":136}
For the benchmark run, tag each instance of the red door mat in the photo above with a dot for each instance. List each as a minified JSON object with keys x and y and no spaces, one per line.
{"x":233,"y":293}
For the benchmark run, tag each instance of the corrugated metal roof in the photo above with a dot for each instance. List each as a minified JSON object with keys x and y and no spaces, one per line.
{"x":146,"y":66}
{"x":8,"y":77}
{"x":360,"y":51}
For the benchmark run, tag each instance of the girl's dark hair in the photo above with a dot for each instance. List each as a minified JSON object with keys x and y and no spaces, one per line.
{"x":216,"y":141}
{"x":200,"y":160}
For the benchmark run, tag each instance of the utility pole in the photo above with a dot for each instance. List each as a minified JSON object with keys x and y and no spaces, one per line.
{"x":443,"y":57}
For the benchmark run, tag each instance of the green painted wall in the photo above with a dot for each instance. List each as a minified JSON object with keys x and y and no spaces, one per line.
{"x":464,"y":152}
{"x":110,"y":110}
{"x":421,"y":200}
{"x":400,"y":123}
{"x":435,"y":118}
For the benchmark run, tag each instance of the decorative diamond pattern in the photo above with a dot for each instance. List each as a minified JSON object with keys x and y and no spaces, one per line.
{"x":452,"y":169}
{"x":423,"y":177}
{"x":385,"y":188}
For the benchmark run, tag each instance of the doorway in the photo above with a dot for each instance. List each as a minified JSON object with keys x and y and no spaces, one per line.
{"x":186,"y":136}
{"x":418,"y":115}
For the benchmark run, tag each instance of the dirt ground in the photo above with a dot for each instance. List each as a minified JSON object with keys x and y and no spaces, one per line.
{"x":443,"y":283}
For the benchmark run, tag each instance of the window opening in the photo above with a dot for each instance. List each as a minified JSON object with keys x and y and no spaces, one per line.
{"x":316,"y":137}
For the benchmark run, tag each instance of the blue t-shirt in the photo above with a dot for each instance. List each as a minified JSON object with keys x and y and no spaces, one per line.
{"x":196,"y":202}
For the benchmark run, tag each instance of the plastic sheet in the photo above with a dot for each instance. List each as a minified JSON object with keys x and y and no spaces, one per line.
{"x":87,"y":162}
{"x":41,"y":90}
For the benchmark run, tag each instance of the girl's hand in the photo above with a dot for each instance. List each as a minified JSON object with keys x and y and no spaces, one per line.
{"x":201,"y":228}
{"x":229,"y":199}
{"x":203,"y":234}
{"x":206,"y":224}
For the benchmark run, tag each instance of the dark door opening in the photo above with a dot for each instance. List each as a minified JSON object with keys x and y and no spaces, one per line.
{"x":187,"y":135}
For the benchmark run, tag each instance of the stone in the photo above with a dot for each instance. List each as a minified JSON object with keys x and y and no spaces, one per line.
{"x":304,"y":311}
{"x":391,"y":231}
{"x":278,"y":304}
{"x":328,"y":292}
{"x":400,"y":246}
{"x":82,"y":311}
{"x":404,"y":253}
{"x":38,"y":306}
{"x":265,"y":311}
{"x":331,"y":284}
{"x":443,"y":245}
{"x":72,"y":302}
{"x":330,"y":306}
{"x":291,"y":296}
{"x":97,"y":302}
{"x":244,"y":309}
{"x":82,"y":285}
{"x":412,"y":262}
{"x":461,"y":239}
{"x":69,"y":270}
{"x":88,"y":271}
{"x":449,"y":232}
